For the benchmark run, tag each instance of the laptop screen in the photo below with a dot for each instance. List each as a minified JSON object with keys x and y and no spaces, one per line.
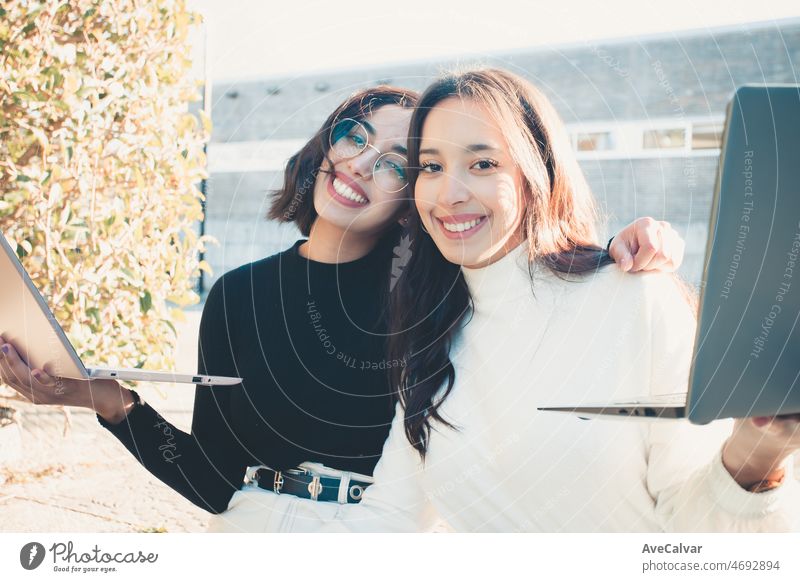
{"x":747,"y":351}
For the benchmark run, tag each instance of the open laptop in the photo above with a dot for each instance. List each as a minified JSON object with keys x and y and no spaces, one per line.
{"x":746,"y":357}
{"x":27,"y":322}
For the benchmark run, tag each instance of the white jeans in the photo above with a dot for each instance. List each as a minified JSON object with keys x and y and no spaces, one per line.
{"x":261,"y":511}
{"x":255,"y":510}
{"x":252,"y":509}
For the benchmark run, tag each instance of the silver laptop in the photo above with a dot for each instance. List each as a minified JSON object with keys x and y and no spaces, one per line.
{"x":27,"y":322}
{"x":746,"y":358}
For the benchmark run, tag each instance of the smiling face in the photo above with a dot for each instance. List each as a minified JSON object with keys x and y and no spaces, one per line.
{"x":346,"y":195}
{"x":469,"y":192}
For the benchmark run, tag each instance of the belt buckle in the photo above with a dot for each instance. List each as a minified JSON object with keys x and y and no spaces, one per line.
{"x":277,"y":484}
{"x":315,"y":487}
{"x":251,"y":475}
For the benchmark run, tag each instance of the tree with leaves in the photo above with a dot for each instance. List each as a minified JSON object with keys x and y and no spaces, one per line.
{"x":100,"y":161}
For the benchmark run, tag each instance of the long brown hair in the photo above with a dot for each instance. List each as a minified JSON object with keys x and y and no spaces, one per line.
{"x":294,"y":201}
{"x":431,"y":301}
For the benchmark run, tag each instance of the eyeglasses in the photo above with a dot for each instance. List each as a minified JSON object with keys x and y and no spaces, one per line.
{"x":349,"y":138}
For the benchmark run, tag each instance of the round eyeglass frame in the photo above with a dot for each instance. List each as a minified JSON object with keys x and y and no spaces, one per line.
{"x":367,"y":144}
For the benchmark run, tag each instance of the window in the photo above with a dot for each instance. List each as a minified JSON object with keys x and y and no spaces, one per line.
{"x":706,"y":136}
{"x":661,"y":139}
{"x":646,"y":138}
{"x":595,"y":141}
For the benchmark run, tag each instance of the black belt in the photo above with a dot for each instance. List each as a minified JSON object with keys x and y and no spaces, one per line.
{"x":306,"y":484}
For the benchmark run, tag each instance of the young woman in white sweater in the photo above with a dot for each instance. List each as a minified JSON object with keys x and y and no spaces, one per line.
{"x":541,"y":322}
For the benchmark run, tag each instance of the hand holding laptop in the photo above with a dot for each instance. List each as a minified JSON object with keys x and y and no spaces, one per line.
{"x":26,"y":318}
{"x":105,"y":397}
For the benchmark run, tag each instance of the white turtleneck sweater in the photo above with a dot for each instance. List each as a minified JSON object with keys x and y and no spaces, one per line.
{"x":510,"y":467}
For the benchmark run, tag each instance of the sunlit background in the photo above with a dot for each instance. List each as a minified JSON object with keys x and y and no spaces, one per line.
{"x":256,"y":39}
{"x":641,"y":85}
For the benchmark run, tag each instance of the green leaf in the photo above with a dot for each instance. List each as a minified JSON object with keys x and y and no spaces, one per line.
{"x":70,"y":298}
{"x":146,"y":302}
{"x":94,"y":313}
{"x":23,"y":178}
{"x":172,"y":327}
{"x":24,"y":248}
{"x":130,"y":277}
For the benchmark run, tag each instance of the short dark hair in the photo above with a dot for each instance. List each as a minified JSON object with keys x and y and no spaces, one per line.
{"x":294,"y":201}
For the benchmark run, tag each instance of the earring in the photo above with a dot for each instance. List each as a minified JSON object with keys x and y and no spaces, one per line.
{"x":404,"y":221}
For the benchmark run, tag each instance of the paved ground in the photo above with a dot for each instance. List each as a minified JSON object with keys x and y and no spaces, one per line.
{"x":87,"y":481}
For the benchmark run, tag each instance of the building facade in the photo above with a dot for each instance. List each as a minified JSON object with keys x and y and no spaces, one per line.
{"x":645,"y":116}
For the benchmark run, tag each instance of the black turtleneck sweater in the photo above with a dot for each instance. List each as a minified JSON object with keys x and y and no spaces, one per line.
{"x":307,"y":339}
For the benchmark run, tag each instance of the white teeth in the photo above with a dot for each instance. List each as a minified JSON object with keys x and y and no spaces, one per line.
{"x":461,"y":226}
{"x":346,"y":191}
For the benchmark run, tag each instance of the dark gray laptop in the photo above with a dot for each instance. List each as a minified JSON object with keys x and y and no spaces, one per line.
{"x":746,"y":358}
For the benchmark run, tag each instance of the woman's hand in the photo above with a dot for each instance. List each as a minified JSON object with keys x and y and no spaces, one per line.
{"x":760,"y":447}
{"x":106,"y":397}
{"x":647,"y":244}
